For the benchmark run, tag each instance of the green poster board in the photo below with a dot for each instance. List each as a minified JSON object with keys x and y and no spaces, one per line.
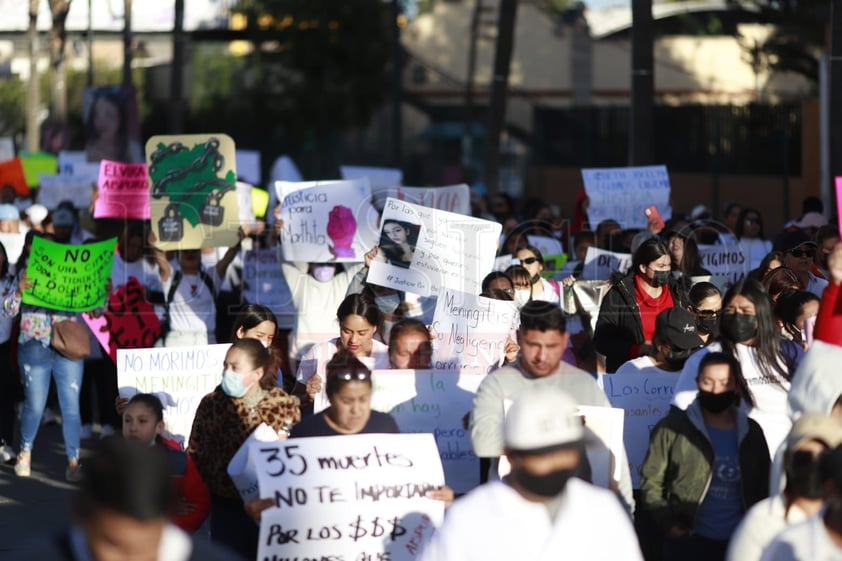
{"x":70,"y":278}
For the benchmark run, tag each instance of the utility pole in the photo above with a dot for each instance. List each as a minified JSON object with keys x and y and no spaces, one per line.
{"x":642,"y":85}
{"x":127,"y":43}
{"x":177,"y":72}
{"x":467,"y":132}
{"x":499,"y":87}
{"x":32,"y":101}
{"x":835,"y":102}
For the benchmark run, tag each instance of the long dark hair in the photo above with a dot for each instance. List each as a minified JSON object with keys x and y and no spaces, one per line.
{"x":393,"y":252}
{"x":649,"y":251}
{"x":359,"y":305}
{"x":770,"y":360}
{"x":741,"y":221}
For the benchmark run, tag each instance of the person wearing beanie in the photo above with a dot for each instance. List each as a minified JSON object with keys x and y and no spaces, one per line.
{"x":541,"y":510}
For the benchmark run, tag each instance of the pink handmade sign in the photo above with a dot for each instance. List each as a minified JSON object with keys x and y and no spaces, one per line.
{"x":123,"y":191}
{"x":128,"y":323}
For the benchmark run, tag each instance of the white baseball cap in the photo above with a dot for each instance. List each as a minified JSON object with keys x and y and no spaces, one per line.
{"x":541,"y":420}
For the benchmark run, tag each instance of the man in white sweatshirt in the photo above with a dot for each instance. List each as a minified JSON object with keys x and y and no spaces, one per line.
{"x":539,"y":512}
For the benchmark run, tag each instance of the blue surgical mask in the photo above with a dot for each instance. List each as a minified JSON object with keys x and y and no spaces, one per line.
{"x":232,"y":384}
{"x":388,"y":303}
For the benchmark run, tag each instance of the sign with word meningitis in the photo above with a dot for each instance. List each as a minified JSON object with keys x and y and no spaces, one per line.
{"x":179,"y":376}
{"x":348,"y":497}
{"x":70,"y":278}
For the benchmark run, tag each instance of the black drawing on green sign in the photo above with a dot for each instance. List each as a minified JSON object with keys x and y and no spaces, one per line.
{"x":190,"y":178}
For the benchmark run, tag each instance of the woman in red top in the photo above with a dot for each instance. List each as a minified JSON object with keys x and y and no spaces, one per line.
{"x":627,"y":315}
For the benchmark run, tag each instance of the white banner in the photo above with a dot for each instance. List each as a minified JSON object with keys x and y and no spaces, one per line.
{"x":327,"y":221}
{"x":452,"y":198}
{"x":600,"y":264}
{"x":645,"y":398}
{"x":438,"y":403}
{"x":179,"y":376}
{"x":471,"y":331}
{"x":423,"y":250}
{"x":621,"y":194}
{"x":56,"y":188}
{"x":348,"y":497}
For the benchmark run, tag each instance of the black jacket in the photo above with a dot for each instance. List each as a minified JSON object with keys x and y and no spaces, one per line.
{"x":618,"y":326}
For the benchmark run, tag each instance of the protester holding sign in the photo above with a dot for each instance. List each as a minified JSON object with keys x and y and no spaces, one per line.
{"x":543,"y":339}
{"x":38,"y":358}
{"x":542,"y":289}
{"x":541,"y":511}
{"x":675,"y":339}
{"x":627,"y":315}
{"x":359,"y":319}
{"x":143,"y":420}
{"x":247,"y":396}
{"x":705,"y":466}
{"x":751,"y":335}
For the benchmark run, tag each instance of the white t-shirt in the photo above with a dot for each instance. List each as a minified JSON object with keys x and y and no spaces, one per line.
{"x":193,"y":306}
{"x":808,"y":541}
{"x":755,"y":249}
{"x":770,"y":395}
{"x":761,"y":524}
{"x":642,"y":365}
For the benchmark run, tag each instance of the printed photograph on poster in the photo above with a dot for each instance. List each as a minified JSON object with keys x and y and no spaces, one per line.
{"x":397,"y":242}
{"x":452,"y":250}
{"x":193,"y":190}
{"x":111,"y":124}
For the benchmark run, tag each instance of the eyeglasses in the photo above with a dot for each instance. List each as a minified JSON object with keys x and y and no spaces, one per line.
{"x":348,"y":376}
{"x":707,"y":313}
{"x":529,"y":260}
{"x":810,"y":252}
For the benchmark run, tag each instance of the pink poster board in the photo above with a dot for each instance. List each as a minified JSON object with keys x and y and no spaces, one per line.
{"x":123,"y":191}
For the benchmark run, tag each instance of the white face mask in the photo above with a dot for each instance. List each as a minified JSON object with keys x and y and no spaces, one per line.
{"x":522,"y":297}
{"x":324,"y":273}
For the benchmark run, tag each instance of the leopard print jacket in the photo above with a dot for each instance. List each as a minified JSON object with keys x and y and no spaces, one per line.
{"x":222,"y":424}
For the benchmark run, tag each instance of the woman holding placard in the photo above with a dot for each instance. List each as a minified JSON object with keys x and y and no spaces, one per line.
{"x":359,"y":319}
{"x":247,"y":397}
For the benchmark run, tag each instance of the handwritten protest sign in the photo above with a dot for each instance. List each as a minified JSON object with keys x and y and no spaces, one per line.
{"x":75,"y":163}
{"x":452,"y":198}
{"x":263,"y":283}
{"x":327,"y":220}
{"x":35,"y":164}
{"x":123,"y":191}
{"x":129,"y":322}
{"x":57,"y":188}
{"x":11,"y":173}
{"x":7,"y":148}
{"x":727,"y":261}
{"x":438,"y":249}
{"x":348,"y":497}
{"x":601,"y":264}
{"x":179,"y":376}
{"x":71,"y":278}
{"x":194,"y":199}
{"x":621,"y":194}
{"x":437,"y":403}
{"x":645,"y":398}
{"x":605,"y":448}
{"x":471,"y":331}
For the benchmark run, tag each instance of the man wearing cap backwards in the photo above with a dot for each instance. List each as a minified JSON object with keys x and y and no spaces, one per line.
{"x":675,"y":339}
{"x":543,"y":339}
{"x":799,"y":251}
{"x":819,"y":538}
{"x":540,"y":511}
{"x":810,"y":437}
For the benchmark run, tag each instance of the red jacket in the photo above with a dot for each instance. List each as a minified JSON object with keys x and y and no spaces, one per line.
{"x":189,"y":489}
{"x":829,"y":320}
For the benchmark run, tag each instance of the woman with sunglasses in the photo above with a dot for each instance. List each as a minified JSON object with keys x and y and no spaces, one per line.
{"x":627,"y":314}
{"x":799,"y":251}
{"x":706,"y":305}
{"x":749,"y":232}
{"x":750,"y":333}
{"x":542,"y":289}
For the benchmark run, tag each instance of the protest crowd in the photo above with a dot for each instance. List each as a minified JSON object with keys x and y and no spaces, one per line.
{"x":659,"y":387}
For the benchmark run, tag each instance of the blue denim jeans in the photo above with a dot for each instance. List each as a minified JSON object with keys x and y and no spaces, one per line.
{"x":37,"y":364}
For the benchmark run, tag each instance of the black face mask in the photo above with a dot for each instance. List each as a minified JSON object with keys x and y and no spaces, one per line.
{"x":659,"y":278}
{"x":535,"y":278}
{"x":739,"y":327}
{"x":547,"y":485}
{"x":804,"y":476}
{"x":716,"y":402}
{"x":708,"y":325}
